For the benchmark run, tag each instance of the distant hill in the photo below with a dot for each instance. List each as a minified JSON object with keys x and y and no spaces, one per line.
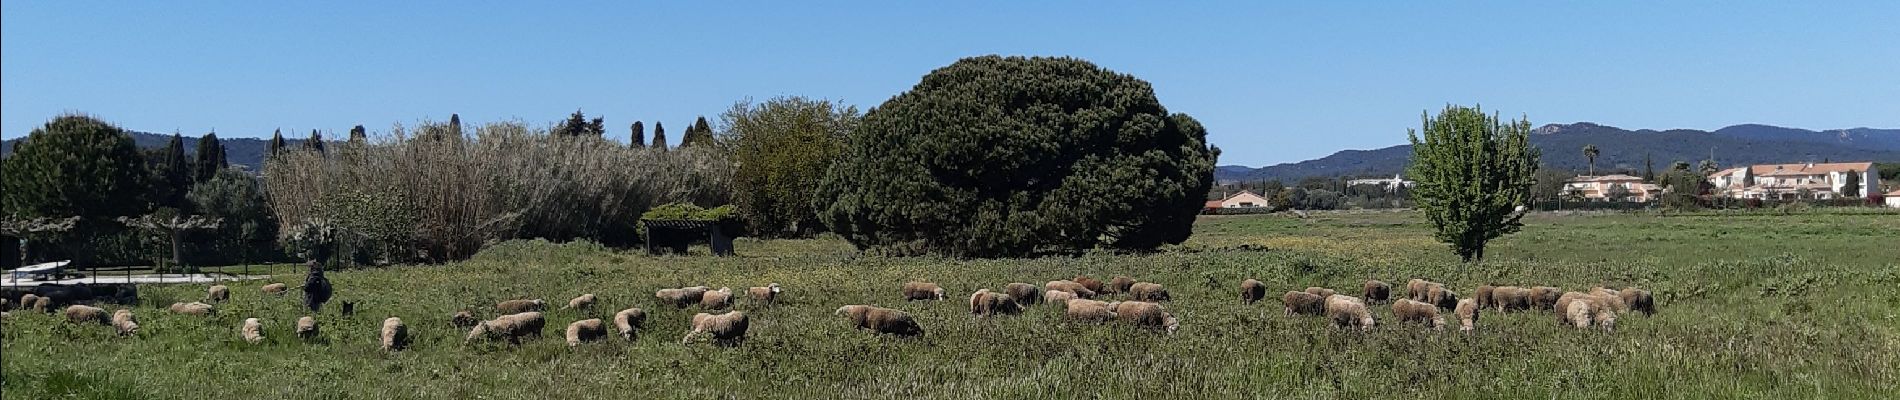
{"x":1621,"y":149}
{"x":248,"y":152}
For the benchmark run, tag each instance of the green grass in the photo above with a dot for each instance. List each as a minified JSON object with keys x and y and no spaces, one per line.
{"x":1751,"y":306}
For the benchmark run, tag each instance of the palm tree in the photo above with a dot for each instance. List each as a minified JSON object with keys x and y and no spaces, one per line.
{"x":1590,"y":153}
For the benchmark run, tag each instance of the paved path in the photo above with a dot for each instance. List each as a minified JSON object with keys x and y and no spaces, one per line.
{"x":148,"y":278}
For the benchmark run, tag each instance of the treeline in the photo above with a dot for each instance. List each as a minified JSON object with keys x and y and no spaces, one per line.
{"x":1319,"y":193}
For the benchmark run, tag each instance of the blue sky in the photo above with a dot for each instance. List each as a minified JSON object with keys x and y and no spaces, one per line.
{"x":1273,"y":82}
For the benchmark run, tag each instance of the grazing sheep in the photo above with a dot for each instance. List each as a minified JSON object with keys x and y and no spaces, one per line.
{"x":1638,"y":300}
{"x":276,"y":289}
{"x":1145,"y":314}
{"x":29,"y":300}
{"x":1587,"y":310}
{"x":464,"y":319}
{"x":1415,"y":289}
{"x":192,"y":308}
{"x":1612,"y":297}
{"x":1545,"y":297}
{"x":125,"y":322}
{"x":629,"y":321}
{"x":1467,"y":313}
{"x":1120,"y":284}
{"x":307,"y":327}
{"x":253,"y":331}
{"x":1145,"y":291}
{"x":985,"y":303}
{"x":583,"y":302}
{"x":717,"y":299}
{"x":1321,"y":292}
{"x":1408,"y":310}
{"x":1091,"y":284}
{"x":1511,"y":298}
{"x":217,"y":294}
{"x":81,"y":314}
{"x":43,"y":304}
{"x":1348,"y":311}
{"x":1058,"y":297}
{"x":1483,"y":295}
{"x":728,"y":328}
{"x":1024,"y":294}
{"x":881,"y":320}
{"x":922,"y":291}
{"x":1441,"y":297}
{"x":1562,"y":306}
{"x":520,"y":306}
{"x":1089,"y":310}
{"x":512,"y":327}
{"x":1080,"y":291}
{"x":1252,"y":290}
{"x":1303,"y":303}
{"x":396,"y":334}
{"x":586,"y":330}
{"x":1377,"y":291}
{"x":681,"y":297}
{"x":767,"y":295}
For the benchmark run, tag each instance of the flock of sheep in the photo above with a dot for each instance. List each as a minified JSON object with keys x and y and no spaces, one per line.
{"x":523,"y":319}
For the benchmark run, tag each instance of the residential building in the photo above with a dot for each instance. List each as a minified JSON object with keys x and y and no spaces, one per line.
{"x":1389,"y":184}
{"x":1244,"y":199}
{"x":1795,"y":181}
{"x":1602,"y":188}
{"x":1893,"y":199}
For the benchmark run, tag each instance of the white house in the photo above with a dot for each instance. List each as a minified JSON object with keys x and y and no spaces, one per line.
{"x":1389,"y":184}
{"x":1794,"y":181}
{"x":1893,"y":199}
{"x":1244,"y":199}
{"x":1599,"y":188}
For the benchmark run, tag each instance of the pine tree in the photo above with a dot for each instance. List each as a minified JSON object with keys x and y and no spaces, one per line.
{"x":659,"y":136}
{"x":315,"y":143}
{"x":210,"y":158}
{"x":358,"y":135}
{"x":639,"y":135}
{"x":276,"y":144}
{"x":1474,"y":174}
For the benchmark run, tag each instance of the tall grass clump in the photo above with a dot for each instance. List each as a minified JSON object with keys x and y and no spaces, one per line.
{"x":438,"y":194}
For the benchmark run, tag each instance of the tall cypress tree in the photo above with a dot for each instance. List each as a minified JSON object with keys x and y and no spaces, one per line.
{"x":1649,"y":170}
{"x":276,"y":144}
{"x":174,"y":174}
{"x":698,"y":134}
{"x":659,"y":136}
{"x":210,"y":158}
{"x":639,"y":135}
{"x":358,"y":135}
{"x":315,"y":143}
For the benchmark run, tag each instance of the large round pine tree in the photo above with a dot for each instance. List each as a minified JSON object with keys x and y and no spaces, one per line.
{"x":1010,"y":156}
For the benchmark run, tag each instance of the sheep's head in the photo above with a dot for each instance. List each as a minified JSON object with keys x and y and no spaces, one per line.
{"x":775,"y":288}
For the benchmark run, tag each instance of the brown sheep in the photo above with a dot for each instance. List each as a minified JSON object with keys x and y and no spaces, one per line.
{"x":1638,"y":300}
{"x":586,"y":330}
{"x":1145,"y":315}
{"x":582,"y":302}
{"x":307,"y":327}
{"x":1408,"y":310}
{"x":1415,"y":289}
{"x":43,"y":304}
{"x":1586,"y":310}
{"x":217,"y":294}
{"x":253,"y":331}
{"x":1483,"y":295}
{"x":1303,"y":303}
{"x":1058,"y":297}
{"x":881,"y":320}
{"x":985,"y":303}
{"x":1511,"y":298}
{"x":1024,"y":294}
{"x":1467,"y":313}
{"x":1091,"y":284}
{"x":629,"y":321}
{"x":716,"y":299}
{"x":192,"y":308}
{"x":1348,"y":311}
{"x":1377,"y":291}
{"x":1145,"y":291}
{"x":276,"y":289}
{"x":1120,"y":284}
{"x":125,"y":322}
{"x":83,"y":314}
{"x":766,"y":295}
{"x":27,"y":300}
{"x":1089,"y":310}
{"x":520,"y":306}
{"x":512,"y":327}
{"x":1441,"y":297}
{"x":922,"y":291}
{"x":681,"y":297}
{"x":1252,"y":290}
{"x":1545,"y":297}
{"x":464,"y":319}
{"x":1612,"y":296}
{"x":1321,"y":292}
{"x":395,"y":334}
{"x":725,"y":329}
{"x":1071,"y":287}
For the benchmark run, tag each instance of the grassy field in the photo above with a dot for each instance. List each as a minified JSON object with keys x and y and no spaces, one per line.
{"x":1751,"y":306}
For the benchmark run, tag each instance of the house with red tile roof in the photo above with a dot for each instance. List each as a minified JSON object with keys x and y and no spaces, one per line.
{"x":1796,"y":181}
{"x":1610,"y":187}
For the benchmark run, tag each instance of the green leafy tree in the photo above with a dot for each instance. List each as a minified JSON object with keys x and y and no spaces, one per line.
{"x":1474,"y":174}
{"x":997,"y":157}
{"x":76,"y":165}
{"x":1850,"y":186}
{"x":210,"y":158}
{"x":639,"y":138}
{"x":248,"y":230}
{"x":1590,"y":152}
{"x":782,"y":148}
{"x":1679,"y":166}
{"x":659,"y":136}
{"x":276,"y":145}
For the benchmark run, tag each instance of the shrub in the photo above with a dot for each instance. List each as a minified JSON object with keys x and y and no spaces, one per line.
{"x":782,"y":148}
{"x":995,"y":156}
